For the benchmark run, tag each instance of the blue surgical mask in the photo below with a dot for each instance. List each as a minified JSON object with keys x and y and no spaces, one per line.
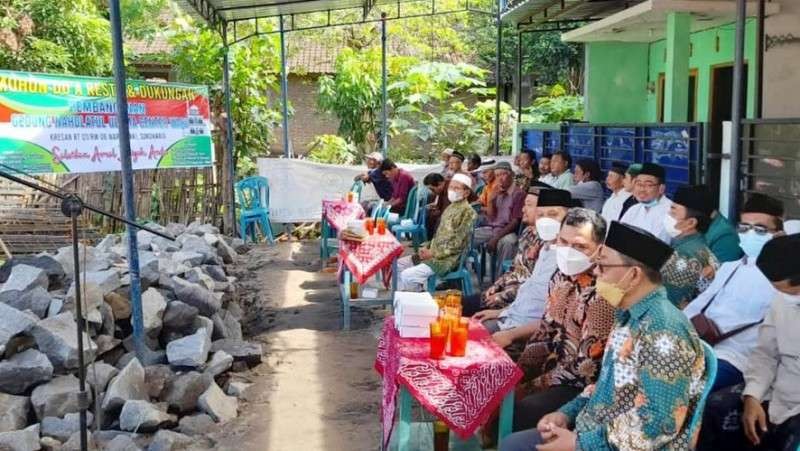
{"x":752,"y":243}
{"x":652,"y":203}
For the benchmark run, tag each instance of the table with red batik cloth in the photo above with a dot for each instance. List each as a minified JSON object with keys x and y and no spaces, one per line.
{"x":362,"y":260}
{"x":339,"y":212}
{"x":461,"y":391}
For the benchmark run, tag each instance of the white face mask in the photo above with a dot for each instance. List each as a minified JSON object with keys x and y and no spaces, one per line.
{"x":454,"y":196}
{"x":547,"y":228}
{"x":792,"y":298}
{"x":669,"y":226}
{"x":570,"y":261}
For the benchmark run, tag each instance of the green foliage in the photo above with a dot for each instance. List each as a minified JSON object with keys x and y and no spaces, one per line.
{"x":556,"y":107}
{"x":140,"y":18}
{"x":332,"y":149}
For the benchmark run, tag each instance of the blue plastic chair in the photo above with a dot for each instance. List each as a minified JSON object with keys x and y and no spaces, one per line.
{"x":253,"y":196}
{"x":358,"y":187}
{"x":711,"y":374}
{"x":417,"y":212}
{"x":461,"y":273}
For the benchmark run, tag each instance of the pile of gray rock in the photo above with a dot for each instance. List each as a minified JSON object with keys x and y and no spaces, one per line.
{"x":192,"y":325}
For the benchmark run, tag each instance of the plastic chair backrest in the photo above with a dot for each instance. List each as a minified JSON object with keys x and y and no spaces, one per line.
{"x":422,"y":201}
{"x":711,"y":374}
{"x":253,"y":193}
{"x":411,"y":203}
{"x":357,"y":187}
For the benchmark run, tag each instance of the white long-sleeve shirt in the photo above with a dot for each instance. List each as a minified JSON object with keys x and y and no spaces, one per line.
{"x":613,"y":206}
{"x":744,"y":299}
{"x":650,"y":218}
{"x":531,"y":297}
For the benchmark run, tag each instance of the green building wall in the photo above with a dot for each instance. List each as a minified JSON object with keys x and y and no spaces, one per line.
{"x":618,"y":74}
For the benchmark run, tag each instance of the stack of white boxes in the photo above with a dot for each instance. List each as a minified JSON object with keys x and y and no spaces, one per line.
{"x":413,"y":313}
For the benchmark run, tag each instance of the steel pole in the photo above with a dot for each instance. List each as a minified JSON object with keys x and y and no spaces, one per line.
{"x":384,"y":93}
{"x":737,"y":109}
{"x":497,"y":71}
{"x":760,"y":59}
{"x":72,"y":207}
{"x":127,"y":179}
{"x":284,"y":92}
{"x":230,"y":211}
{"x":519,"y":77}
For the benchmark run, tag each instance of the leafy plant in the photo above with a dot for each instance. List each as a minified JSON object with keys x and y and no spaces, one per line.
{"x":332,"y":149}
{"x":555,"y":107}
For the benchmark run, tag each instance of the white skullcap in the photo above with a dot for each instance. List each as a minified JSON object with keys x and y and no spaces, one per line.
{"x":791,"y":226}
{"x":448,"y":151}
{"x":463,"y":179}
{"x":377,"y":156}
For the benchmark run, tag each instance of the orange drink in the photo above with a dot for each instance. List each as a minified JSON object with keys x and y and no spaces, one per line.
{"x":458,"y":339}
{"x":369,"y":224}
{"x":381,"y":226}
{"x":438,"y":339}
{"x":349,"y":196}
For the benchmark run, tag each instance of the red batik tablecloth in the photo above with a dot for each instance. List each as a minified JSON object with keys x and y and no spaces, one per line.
{"x":462,"y":391}
{"x":366,"y":258}
{"x":339,"y":212}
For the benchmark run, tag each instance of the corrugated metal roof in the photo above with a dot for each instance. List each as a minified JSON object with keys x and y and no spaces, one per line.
{"x":232,"y":10}
{"x":542,"y":11}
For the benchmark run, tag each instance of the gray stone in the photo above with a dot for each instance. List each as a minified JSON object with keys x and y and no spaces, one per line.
{"x":56,"y":337}
{"x":106,"y":343}
{"x":107,"y":243}
{"x":219,"y":406}
{"x":183,"y":391}
{"x":200,"y":229}
{"x":188,"y":258}
{"x":36,"y":300}
{"x":226,"y":252}
{"x":149,"y":267}
{"x":197,"y":424}
{"x":157,"y":377}
{"x":175,"y":229}
{"x":23,"y":371}
{"x":153,"y":306}
{"x":25,"y":440}
{"x":240,"y":246}
{"x":197,"y":296}
{"x":144,"y":239}
{"x":99,"y":375}
{"x":226,"y":326}
{"x":54,"y":270}
{"x":191,"y":351}
{"x":120,"y":304}
{"x":240,"y":350}
{"x":13,"y":412}
{"x":122,"y":443}
{"x":74,"y":444}
{"x":166,"y":440}
{"x":215,"y":272}
{"x":235,"y":310}
{"x":237,"y":389}
{"x":220,"y":362}
{"x":92,"y":296}
{"x":63,"y":428}
{"x":107,"y":281}
{"x":13,"y":322}
{"x":24,"y":278}
{"x":204,"y":323}
{"x":107,"y":314}
{"x":196,"y":244}
{"x":198,"y":276}
{"x":171,"y":267}
{"x":50,"y":444}
{"x":179,"y":316}
{"x":91,"y":259}
{"x":57,"y":397}
{"x":56,"y":307}
{"x":128,"y":385}
{"x":141,"y":416}
{"x":210,"y":239}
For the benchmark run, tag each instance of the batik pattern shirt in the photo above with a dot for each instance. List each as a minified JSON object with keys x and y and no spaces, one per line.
{"x":506,"y":286}
{"x":690,"y":270}
{"x":567,"y":349}
{"x":522,"y":181}
{"x":452,"y":237}
{"x":652,"y":378}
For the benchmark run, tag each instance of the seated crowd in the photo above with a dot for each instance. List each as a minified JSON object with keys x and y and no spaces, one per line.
{"x":610,"y":300}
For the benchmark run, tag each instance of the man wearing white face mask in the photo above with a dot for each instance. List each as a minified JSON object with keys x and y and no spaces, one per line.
{"x":441,"y":255}
{"x":692,"y":267}
{"x":648,"y":189}
{"x":737,"y":300}
{"x":768,"y":401}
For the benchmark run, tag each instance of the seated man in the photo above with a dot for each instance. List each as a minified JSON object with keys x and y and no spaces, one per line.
{"x":451,"y":240}
{"x":691,"y":269}
{"x":455,"y":163}
{"x":561,"y":176}
{"x":738,"y":298}
{"x":565,"y":351}
{"x":722,"y":239}
{"x":445,"y":160}
{"x":544,"y":169}
{"x":489,"y":186}
{"x":402,"y":182}
{"x":765,"y":411}
{"x":653,"y":370}
{"x":587,"y":188}
{"x":628,"y":182}
{"x":374,"y":175}
{"x":502,"y":216}
{"x":528,"y":306}
{"x":615,"y":181}
{"x":649,"y":213}
{"x":528,"y":170}
{"x":438,"y":187}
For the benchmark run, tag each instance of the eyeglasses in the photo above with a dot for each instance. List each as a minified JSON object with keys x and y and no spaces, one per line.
{"x":744,"y":227}
{"x":602,"y":268}
{"x":648,"y":185}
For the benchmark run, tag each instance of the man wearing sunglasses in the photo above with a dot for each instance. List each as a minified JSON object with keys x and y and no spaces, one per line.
{"x":653,"y":368}
{"x":649,"y":188}
{"x":738,"y":298}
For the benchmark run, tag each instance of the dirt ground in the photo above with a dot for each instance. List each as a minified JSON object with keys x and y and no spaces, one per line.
{"x":316,"y":389}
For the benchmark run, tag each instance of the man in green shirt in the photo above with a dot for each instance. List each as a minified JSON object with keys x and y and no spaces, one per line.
{"x":722,"y":239}
{"x":653,"y":371}
{"x":693,"y":266}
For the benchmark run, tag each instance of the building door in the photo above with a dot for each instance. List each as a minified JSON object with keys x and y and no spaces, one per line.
{"x":721,"y":111}
{"x":691,"y":113}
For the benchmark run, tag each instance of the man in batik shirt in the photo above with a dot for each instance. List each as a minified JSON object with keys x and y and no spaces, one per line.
{"x":653,"y":371}
{"x":693,"y":266}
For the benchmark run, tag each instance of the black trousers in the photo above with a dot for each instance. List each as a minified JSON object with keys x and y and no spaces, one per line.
{"x":471,"y":305}
{"x":530,"y":409}
{"x":722,"y":426}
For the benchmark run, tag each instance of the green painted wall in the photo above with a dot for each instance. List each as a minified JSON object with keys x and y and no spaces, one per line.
{"x":616,"y":81}
{"x":618,"y":74}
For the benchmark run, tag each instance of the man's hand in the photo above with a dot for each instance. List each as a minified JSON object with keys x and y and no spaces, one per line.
{"x":546,"y":423}
{"x":492,"y":244}
{"x":503,"y":338}
{"x":425,"y":254}
{"x":754,"y":420}
{"x":561,"y":439}
{"x":483,"y":315}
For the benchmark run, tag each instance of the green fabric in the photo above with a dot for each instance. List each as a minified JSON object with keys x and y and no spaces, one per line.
{"x":690,"y":269}
{"x":650,"y":384}
{"x":452,"y":237}
{"x":723,"y":240}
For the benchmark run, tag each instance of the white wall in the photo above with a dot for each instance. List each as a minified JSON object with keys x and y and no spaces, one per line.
{"x":782,"y":64}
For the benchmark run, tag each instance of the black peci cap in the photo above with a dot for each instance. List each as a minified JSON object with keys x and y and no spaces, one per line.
{"x":638,"y":244}
{"x":761,"y":203}
{"x":779,"y":260}
{"x":554,"y":198}
{"x":618,"y":167}
{"x":654,"y":170}
{"x":694,"y":197}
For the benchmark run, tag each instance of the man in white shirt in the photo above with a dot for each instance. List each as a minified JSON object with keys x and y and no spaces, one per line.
{"x":649,"y":188}
{"x":559,"y":171}
{"x":612,"y":209}
{"x":738,"y":298}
